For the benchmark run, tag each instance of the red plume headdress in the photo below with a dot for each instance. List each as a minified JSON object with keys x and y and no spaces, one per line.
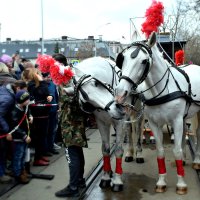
{"x":154,"y":18}
{"x":179,"y":57}
{"x":59,"y":73}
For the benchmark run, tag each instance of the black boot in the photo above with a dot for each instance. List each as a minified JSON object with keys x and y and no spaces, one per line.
{"x":27,"y":169}
{"x":67,"y":192}
{"x":82,"y":183}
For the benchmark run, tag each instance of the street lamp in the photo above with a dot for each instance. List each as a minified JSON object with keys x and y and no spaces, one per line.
{"x":42,"y":40}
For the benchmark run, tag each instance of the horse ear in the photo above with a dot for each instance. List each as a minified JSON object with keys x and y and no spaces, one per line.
{"x":152,"y":39}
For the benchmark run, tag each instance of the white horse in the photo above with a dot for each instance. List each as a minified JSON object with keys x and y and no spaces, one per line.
{"x":171,"y":96}
{"x":94,"y":83}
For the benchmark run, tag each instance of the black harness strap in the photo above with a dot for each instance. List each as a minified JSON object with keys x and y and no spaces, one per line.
{"x":129,"y":80}
{"x":186,"y":77}
{"x":167,"y":98}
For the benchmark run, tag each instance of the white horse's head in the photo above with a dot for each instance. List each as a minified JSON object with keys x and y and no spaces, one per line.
{"x":94,"y":84}
{"x":136,"y":61}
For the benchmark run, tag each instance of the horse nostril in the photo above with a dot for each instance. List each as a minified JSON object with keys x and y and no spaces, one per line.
{"x":118,"y":106}
{"x":120,"y":109}
{"x":125,"y":93}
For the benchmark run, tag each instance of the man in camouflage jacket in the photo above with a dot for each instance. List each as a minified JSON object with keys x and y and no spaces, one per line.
{"x":72,"y":122}
{"x":73,"y":134}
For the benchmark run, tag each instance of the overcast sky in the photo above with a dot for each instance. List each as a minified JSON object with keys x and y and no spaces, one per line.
{"x":21,"y":19}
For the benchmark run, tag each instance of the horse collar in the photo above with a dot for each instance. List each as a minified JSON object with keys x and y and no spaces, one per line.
{"x":78,"y":83}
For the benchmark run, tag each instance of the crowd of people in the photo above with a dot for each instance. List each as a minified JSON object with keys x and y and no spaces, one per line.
{"x":31,"y":109}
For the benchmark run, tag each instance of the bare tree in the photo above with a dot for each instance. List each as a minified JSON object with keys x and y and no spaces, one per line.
{"x":184,"y":24}
{"x":192,"y":50}
{"x":196,"y":5}
{"x":85,"y":50}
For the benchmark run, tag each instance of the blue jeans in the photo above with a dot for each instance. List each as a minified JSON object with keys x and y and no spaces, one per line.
{"x":19,"y":157}
{"x":76,"y":161}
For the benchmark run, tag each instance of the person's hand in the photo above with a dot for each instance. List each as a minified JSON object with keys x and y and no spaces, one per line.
{"x":30,"y":119}
{"x":28,"y":139}
{"x":9,"y":137}
{"x":49,"y":98}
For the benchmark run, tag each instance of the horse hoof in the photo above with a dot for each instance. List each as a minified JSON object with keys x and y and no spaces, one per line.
{"x":128,"y":159}
{"x":139,"y":160}
{"x":196,"y":166}
{"x":111,"y":174}
{"x":117,"y":187}
{"x":181,"y":190}
{"x":104,"y":184}
{"x":160,"y":188}
{"x":172,"y":141}
{"x":152,"y":141}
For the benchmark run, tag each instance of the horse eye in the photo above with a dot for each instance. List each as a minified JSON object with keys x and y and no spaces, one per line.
{"x":144,"y":62}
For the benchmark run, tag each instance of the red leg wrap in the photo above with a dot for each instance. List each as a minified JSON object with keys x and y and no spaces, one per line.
{"x":151,"y":133}
{"x":118,"y":166}
{"x":180,"y":169}
{"x":161,"y":165}
{"x":106,"y":164}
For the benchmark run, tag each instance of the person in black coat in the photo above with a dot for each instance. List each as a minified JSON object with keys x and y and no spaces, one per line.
{"x":39,"y":94}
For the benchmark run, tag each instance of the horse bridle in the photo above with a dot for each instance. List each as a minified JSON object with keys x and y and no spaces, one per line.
{"x":81,"y":82}
{"x":140,"y":46}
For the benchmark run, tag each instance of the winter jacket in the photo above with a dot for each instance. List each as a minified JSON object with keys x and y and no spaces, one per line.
{"x":7,"y":103}
{"x":54,"y":92}
{"x":39,"y":95}
{"x":72,"y":121}
{"x":22,"y":131}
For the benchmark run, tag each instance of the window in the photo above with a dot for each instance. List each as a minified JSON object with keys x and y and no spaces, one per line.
{"x":26,"y":50}
{"x":117,"y":50}
{"x":3,"y":50}
{"x":62,"y":49}
{"x":39,"y":50}
{"x":45,"y":50}
{"x":21,"y":50}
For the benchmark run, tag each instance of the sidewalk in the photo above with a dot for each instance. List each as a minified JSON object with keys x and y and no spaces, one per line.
{"x":40,"y":189}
